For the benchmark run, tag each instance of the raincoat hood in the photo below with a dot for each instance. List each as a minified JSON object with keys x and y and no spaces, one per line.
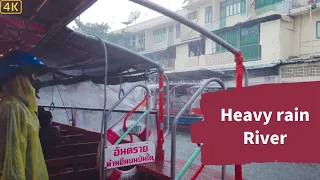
{"x":21,"y":155}
{"x":20,"y":87}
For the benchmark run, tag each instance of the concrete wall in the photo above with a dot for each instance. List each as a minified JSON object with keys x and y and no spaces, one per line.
{"x":270,"y":40}
{"x":209,"y":46}
{"x":300,"y":72}
{"x":235,"y":19}
{"x":181,"y":55}
{"x":148,"y":39}
{"x":216,"y":11}
{"x":186,"y":32}
{"x":257,"y":80}
{"x":183,"y":61}
{"x":219,"y":59}
{"x":304,"y":44}
{"x":305,"y":38}
{"x":301,"y":2}
{"x":287,"y":40}
{"x":192,"y":1}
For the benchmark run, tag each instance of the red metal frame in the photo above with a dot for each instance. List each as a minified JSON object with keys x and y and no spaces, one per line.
{"x":239,"y":77}
{"x":159,"y":153}
{"x":132,"y":111}
{"x":31,"y":36}
{"x":196,"y":174}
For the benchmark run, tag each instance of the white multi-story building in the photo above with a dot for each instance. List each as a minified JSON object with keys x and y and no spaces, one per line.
{"x":156,"y":39}
{"x":268,"y":32}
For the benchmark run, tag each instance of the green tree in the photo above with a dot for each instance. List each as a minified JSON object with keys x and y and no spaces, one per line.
{"x":102,"y":30}
{"x":99,"y":29}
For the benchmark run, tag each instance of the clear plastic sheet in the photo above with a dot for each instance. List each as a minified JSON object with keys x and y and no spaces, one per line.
{"x":90,"y":95}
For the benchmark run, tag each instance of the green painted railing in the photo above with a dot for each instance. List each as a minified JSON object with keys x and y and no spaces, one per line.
{"x":189,"y":162}
{"x":131,"y":127}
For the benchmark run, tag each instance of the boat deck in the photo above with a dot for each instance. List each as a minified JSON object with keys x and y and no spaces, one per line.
{"x":162,"y":171}
{"x":75,"y":159}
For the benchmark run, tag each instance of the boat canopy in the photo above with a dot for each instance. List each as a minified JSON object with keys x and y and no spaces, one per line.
{"x":81,"y":57}
{"x":196,"y":75}
{"x":72,"y":56}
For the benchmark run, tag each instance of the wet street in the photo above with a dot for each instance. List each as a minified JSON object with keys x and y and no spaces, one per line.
{"x":253,"y":171}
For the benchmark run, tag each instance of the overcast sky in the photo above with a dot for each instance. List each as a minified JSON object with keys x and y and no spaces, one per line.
{"x":114,"y":12}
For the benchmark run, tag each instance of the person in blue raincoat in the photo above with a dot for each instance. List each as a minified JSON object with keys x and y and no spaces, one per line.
{"x":21,"y":156}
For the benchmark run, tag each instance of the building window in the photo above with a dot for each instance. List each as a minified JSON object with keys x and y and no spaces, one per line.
{"x":247,"y":39}
{"x":250,"y":42}
{"x":159,"y":35}
{"x":318,"y":29}
{"x":196,"y":48}
{"x":231,"y":36}
{"x":136,"y":43}
{"x":133,"y":41}
{"x":130,"y":42}
{"x":168,"y":54}
{"x":178,"y":30}
{"x":208,"y":14}
{"x":141,"y":43}
{"x":233,"y":7}
{"x":222,"y":35}
{"x":263,"y":3}
{"x":192,"y":15}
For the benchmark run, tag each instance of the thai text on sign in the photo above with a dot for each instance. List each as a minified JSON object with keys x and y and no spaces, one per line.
{"x":129,"y":154}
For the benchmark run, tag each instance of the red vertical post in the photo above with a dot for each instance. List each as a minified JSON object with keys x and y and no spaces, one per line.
{"x":239,"y":69}
{"x":239,"y":77}
{"x":160,"y":154}
{"x":196,"y":174}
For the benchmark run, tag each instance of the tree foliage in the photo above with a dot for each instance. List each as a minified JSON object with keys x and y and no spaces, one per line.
{"x":99,"y":29}
{"x":102,"y":31}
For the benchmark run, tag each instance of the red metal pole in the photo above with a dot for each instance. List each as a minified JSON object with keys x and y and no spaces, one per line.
{"x":196,"y":174}
{"x":239,"y":77}
{"x":239,"y":69}
{"x":160,"y":154}
{"x":132,"y":111}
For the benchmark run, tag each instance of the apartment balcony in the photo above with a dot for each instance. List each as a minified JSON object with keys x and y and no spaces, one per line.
{"x":195,"y":3}
{"x":218,"y":59}
{"x":302,"y":9}
{"x":189,"y":63}
{"x":168,"y":64}
{"x":192,"y":62}
{"x":213,"y":26}
{"x":192,"y":1}
{"x":277,"y":8}
{"x":138,"y":48}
